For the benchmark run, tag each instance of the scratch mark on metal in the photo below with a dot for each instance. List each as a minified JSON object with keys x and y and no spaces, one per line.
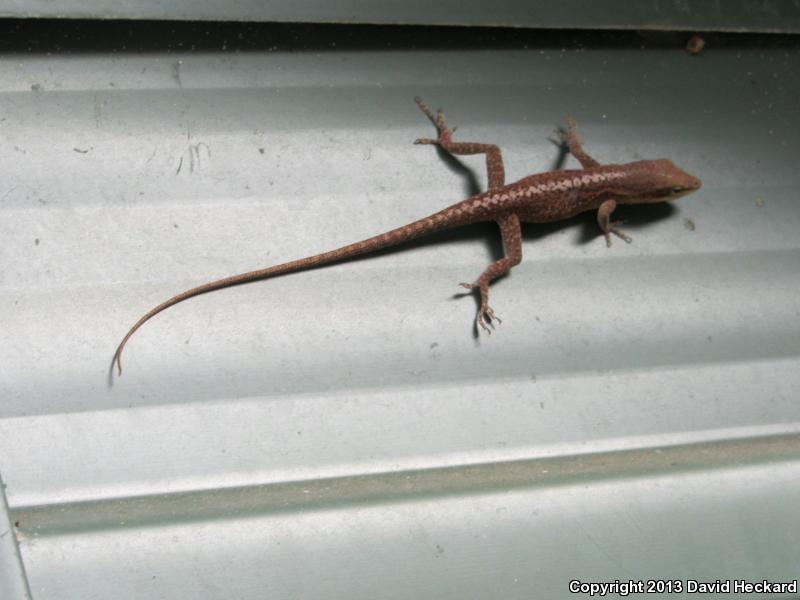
{"x":176,"y":73}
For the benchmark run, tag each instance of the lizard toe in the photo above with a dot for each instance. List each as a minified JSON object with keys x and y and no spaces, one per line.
{"x":485,"y":318}
{"x":613,"y":227}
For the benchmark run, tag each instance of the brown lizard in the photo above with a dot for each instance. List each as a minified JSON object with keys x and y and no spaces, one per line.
{"x":541,"y":198}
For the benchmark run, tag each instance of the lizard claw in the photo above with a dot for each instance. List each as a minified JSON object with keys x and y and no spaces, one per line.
{"x":490,"y":313}
{"x":485,"y":317}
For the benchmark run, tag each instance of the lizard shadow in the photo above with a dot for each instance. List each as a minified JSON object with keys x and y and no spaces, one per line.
{"x":471,"y":184}
{"x":110,"y":374}
{"x":632,"y":217}
{"x":485,"y":231}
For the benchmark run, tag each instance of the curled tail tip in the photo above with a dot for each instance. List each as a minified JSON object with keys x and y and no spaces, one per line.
{"x":118,"y":360}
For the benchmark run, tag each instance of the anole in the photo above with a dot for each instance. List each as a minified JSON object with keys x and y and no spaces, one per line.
{"x":540,"y":198}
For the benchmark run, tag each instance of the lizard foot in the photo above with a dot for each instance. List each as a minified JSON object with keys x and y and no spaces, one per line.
{"x":568,"y":135}
{"x":613,"y":227}
{"x":445,"y":132}
{"x":485,"y":317}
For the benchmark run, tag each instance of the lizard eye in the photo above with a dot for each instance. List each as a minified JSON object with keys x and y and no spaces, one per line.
{"x":676,"y":190}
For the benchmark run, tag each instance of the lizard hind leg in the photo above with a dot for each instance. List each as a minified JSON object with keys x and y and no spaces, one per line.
{"x":512,"y":243}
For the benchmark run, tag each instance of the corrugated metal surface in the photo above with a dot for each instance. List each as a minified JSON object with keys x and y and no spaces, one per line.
{"x":13,"y":582}
{"x":731,"y":15}
{"x":341,"y":433}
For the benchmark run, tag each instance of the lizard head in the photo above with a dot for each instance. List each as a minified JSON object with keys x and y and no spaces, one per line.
{"x":657,"y":181}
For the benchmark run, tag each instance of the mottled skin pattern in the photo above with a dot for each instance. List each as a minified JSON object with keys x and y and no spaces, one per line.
{"x":540,"y":198}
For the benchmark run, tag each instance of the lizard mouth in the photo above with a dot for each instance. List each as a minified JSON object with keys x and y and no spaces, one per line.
{"x":692,"y":184}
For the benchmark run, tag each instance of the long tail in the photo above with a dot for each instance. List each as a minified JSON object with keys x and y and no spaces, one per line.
{"x":455,"y":215}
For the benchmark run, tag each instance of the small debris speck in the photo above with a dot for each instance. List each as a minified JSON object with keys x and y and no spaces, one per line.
{"x":261,"y":150}
{"x":689,"y":224}
{"x":37,"y":87}
{"x":36,"y":241}
{"x":80,"y":150}
{"x":759,"y":202}
{"x":695,"y":44}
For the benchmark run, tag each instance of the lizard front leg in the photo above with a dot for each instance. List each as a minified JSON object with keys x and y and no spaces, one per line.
{"x":494,"y":159}
{"x":607,"y":225}
{"x":573,"y":141}
{"x":512,"y":244}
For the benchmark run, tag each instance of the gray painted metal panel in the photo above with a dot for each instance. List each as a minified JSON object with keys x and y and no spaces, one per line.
{"x":13,"y":583}
{"x":340,"y":433}
{"x":731,"y":15}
